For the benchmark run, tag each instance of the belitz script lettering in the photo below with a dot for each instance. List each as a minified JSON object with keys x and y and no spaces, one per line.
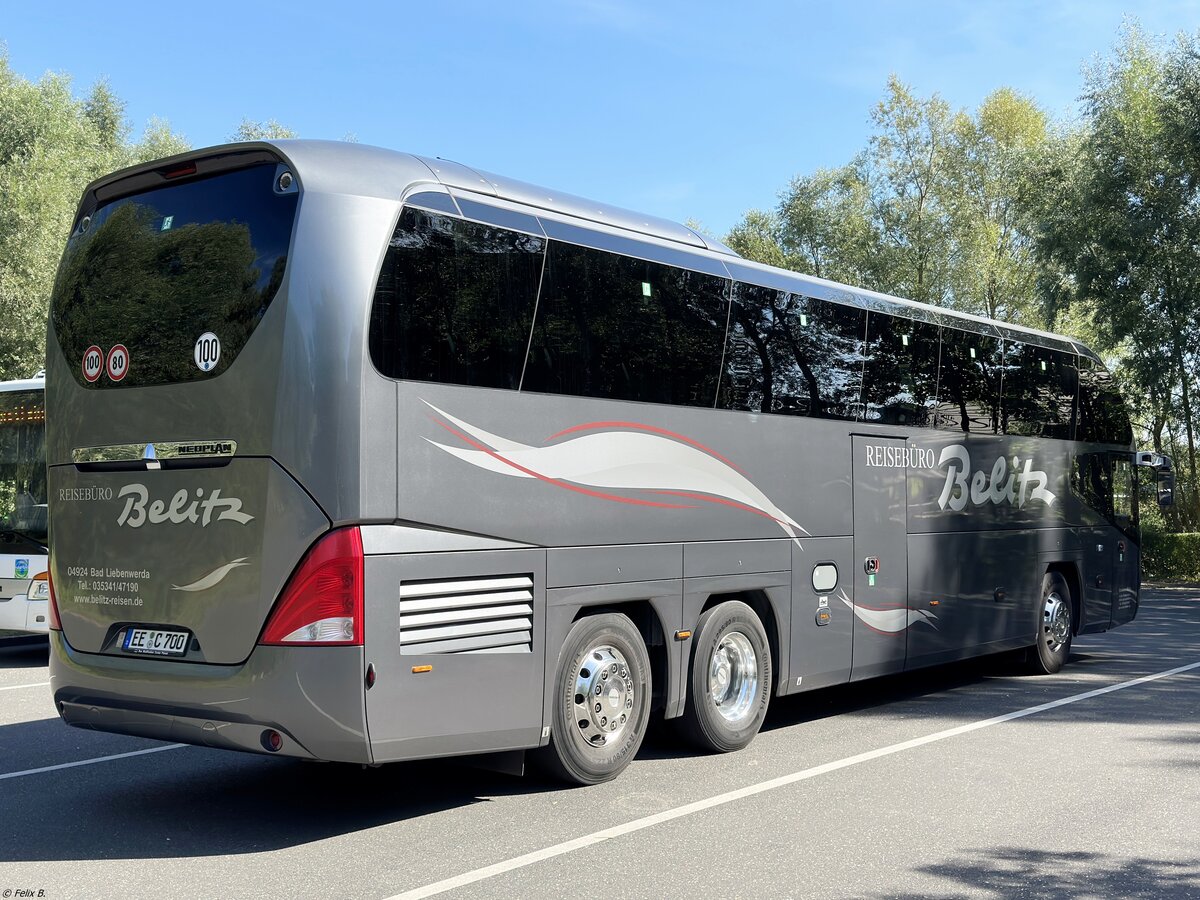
{"x":139,"y":509}
{"x":1015,"y":486}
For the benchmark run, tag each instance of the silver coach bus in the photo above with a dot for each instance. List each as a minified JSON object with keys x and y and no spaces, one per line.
{"x":360,"y":456}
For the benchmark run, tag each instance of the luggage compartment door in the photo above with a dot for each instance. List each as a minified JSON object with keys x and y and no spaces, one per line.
{"x":880,"y":600}
{"x":457,"y":641}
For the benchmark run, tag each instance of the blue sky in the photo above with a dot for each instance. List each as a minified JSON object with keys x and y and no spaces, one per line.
{"x":696,"y":110}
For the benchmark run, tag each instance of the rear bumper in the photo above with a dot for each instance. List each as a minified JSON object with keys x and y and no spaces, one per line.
{"x":21,"y":614}
{"x":313,"y":696}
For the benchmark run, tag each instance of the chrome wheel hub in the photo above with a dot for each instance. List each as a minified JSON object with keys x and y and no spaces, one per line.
{"x":1056,"y":621}
{"x":604,"y":695}
{"x":733,"y":677}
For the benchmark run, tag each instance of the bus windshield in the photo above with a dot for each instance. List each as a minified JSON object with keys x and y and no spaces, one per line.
{"x":22,"y":469}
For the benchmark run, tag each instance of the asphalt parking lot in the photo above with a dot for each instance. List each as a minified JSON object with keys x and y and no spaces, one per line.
{"x":971,"y":780}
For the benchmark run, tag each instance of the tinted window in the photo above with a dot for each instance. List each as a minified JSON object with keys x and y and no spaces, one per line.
{"x":900,"y":373}
{"x":968,"y":397}
{"x":793,"y":355}
{"x":154,"y":271}
{"x":455,"y":301}
{"x":1039,"y":391}
{"x":1102,"y":413}
{"x":1092,"y":479}
{"x":23,"y":471}
{"x":1125,"y":510}
{"x":612,"y":326}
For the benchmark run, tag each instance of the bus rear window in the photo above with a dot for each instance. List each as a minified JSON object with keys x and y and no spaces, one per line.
{"x":156,"y":271}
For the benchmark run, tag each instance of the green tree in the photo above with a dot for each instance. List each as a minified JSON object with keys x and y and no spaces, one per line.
{"x":987,"y":185}
{"x":827,"y":228}
{"x":270,"y":130}
{"x":1121,"y":221}
{"x":757,"y":237}
{"x":51,"y":145}
{"x":930,"y":210}
{"x":906,"y":166}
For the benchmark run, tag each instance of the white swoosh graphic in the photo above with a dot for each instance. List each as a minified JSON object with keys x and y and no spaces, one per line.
{"x":213,"y":578}
{"x":891,"y":621}
{"x":623,"y":460}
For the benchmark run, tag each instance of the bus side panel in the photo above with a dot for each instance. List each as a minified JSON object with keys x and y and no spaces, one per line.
{"x":822,"y":623}
{"x":1126,"y":583}
{"x":1098,"y":555}
{"x":973,"y":593}
{"x":458,"y":669}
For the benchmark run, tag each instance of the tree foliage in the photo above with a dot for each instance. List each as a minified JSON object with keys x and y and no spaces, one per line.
{"x":929,"y":210}
{"x":1120,"y":225}
{"x":51,"y":145}
{"x":270,"y":130}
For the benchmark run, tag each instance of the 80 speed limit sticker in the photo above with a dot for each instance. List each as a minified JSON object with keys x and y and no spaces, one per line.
{"x":118,"y":362}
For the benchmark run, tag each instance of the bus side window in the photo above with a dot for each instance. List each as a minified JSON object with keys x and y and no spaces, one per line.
{"x":1102,"y":413}
{"x":454,"y":302}
{"x":793,"y":355}
{"x":900,"y":372}
{"x":969,"y":375}
{"x":1040,"y":386}
{"x":1124,"y":492}
{"x":621,"y":328}
{"x":1092,"y":479}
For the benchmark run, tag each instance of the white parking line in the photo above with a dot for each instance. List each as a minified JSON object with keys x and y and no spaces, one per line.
{"x":607,"y":834}
{"x":13,"y":687}
{"x":90,"y":762}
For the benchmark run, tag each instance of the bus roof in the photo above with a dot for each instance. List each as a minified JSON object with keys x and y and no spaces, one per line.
{"x":37,"y":383}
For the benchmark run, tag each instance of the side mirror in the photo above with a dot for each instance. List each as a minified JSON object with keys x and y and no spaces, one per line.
{"x":1166,"y":488}
{"x":1164,"y":473}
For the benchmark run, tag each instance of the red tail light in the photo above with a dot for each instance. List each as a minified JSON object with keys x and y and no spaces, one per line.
{"x":322,"y":603}
{"x":54,"y":623}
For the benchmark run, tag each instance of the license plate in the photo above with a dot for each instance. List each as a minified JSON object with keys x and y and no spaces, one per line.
{"x":153,"y":642}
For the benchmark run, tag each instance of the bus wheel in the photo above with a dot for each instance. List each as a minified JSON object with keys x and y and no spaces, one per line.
{"x":730,"y":679}
{"x":602,"y":700}
{"x":1053,"y":645}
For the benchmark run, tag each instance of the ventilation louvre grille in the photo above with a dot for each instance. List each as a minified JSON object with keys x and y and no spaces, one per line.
{"x":467,"y":615}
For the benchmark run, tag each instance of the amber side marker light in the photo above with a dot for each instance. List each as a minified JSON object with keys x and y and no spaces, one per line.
{"x":421,"y":670}
{"x":682,"y":635}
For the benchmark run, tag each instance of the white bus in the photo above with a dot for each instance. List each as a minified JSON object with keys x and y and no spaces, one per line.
{"x":24,"y":589}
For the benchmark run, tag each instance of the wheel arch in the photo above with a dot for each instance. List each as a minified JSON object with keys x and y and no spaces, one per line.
{"x":1070,"y":573}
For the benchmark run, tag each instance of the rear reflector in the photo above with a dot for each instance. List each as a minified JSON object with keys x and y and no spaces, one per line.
{"x":54,"y":624}
{"x":322,"y":604}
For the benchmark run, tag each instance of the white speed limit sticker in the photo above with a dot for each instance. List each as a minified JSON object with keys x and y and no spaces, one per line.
{"x":93,"y":363}
{"x":118,"y":362}
{"x":207,"y":352}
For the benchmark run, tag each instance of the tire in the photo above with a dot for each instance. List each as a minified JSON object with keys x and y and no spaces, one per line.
{"x":1049,"y":653}
{"x":730,"y":681}
{"x":603,"y":661}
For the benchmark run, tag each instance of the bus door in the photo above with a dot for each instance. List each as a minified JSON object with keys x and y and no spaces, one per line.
{"x":1126,"y":560}
{"x":880,"y":601}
